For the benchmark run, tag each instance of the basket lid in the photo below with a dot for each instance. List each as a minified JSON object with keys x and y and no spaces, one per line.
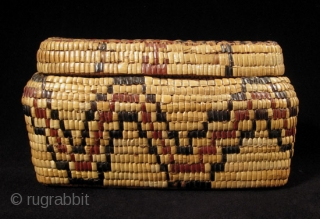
{"x":101,"y":57}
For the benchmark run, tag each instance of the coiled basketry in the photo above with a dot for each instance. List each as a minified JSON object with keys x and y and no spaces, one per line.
{"x":160,"y":114}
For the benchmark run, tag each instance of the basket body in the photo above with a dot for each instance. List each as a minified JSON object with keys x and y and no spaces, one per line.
{"x":153,"y":129}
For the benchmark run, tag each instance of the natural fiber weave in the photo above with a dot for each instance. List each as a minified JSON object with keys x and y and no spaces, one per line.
{"x":160,"y":57}
{"x":135,"y":130}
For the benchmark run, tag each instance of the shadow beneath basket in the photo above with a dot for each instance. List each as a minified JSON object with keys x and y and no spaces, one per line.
{"x":305,"y":161}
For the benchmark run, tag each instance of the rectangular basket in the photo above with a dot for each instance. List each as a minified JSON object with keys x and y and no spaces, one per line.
{"x":160,"y":114}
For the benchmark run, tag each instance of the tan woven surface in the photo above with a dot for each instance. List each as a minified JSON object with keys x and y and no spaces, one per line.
{"x":160,"y":57}
{"x":143,"y":131}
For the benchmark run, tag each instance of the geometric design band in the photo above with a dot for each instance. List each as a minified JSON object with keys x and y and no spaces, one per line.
{"x":142,"y":131}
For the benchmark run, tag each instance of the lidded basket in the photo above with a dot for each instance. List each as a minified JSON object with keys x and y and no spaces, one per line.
{"x":160,"y":114}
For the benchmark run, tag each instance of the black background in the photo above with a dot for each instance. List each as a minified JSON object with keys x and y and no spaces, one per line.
{"x":293,"y":24}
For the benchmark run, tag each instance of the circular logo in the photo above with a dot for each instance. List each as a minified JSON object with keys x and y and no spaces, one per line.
{"x":16,"y":199}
